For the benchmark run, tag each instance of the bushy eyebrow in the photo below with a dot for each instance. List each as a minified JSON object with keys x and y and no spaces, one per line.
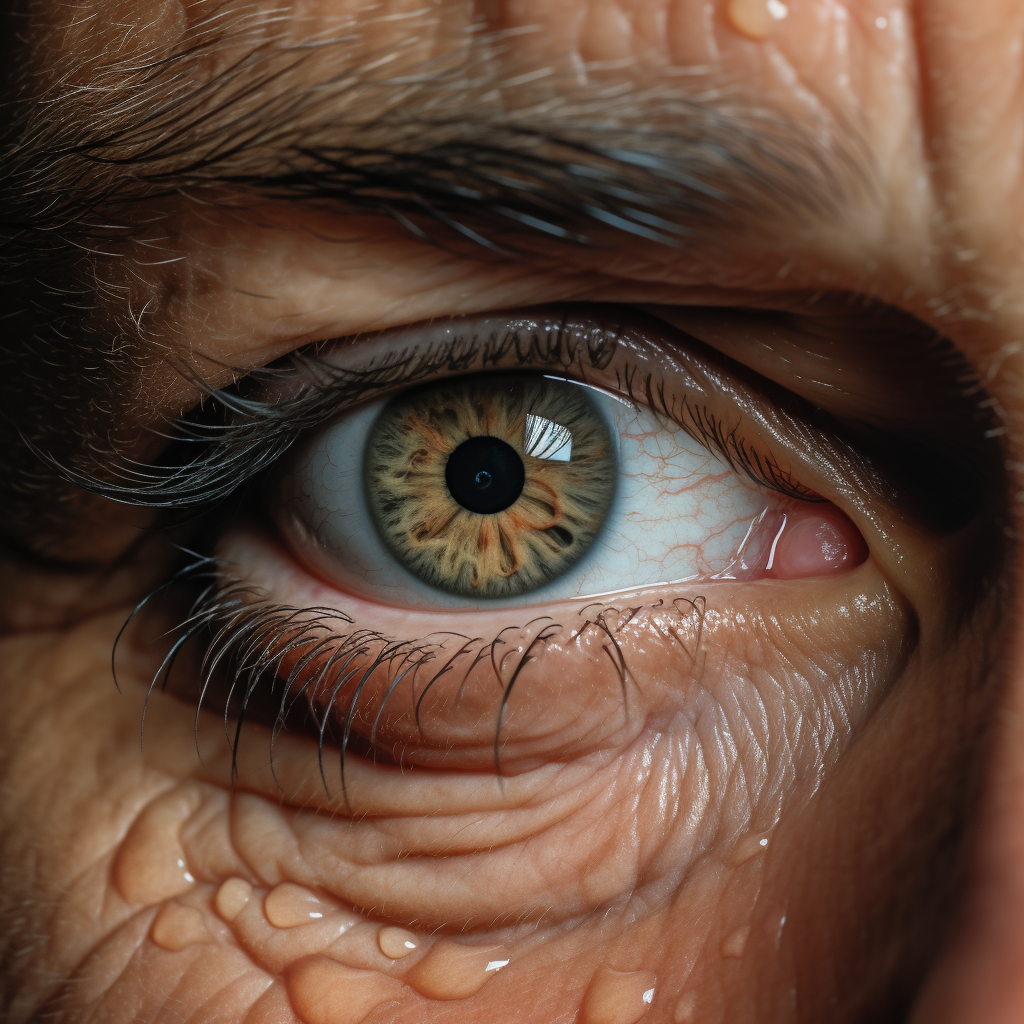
{"x":453,"y":150}
{"x":457,"y":142}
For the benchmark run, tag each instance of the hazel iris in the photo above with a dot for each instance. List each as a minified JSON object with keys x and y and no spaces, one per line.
{"x":490,"y":486}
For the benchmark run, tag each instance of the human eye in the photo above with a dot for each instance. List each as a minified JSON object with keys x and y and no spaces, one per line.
{"x":525,"y":487}
{"x":643,"y":483}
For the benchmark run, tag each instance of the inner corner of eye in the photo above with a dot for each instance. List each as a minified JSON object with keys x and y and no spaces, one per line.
{"x":504,"y":486}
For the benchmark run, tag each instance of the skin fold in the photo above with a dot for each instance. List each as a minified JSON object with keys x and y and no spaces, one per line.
{"x":763,"y":799}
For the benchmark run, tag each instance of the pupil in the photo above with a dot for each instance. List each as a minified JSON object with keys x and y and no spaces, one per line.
{"x":485,"y":475}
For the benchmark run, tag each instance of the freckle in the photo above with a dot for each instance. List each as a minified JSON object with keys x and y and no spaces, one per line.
{"x":686,"y":1008}
{"x":454,"y":971}
{"x":322,"y":991}
{"x":755,"y":19}
{"x":617,"y":997}
{"x":151,"y":866}
{"x":735,"y":943}
{"x":749,"y":846}
{"x":232,"y":898}
{"x":288,"y":905}
{"x":176,"y":927}
{"x":396,"y":942}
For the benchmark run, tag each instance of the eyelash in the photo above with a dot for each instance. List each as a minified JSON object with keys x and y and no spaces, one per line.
{"x":247,"y":436}
{"x":250,"y":637}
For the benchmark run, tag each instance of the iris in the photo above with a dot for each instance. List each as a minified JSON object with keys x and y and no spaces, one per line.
{"x":490,"y":485}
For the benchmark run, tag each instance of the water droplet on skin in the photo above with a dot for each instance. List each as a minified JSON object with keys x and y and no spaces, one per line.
{"x":776,"y":925}
{"x":736,"y":943}
{"x":617,"y":997}
{"x":151,"y":866}
{"x":176,"y":927}
{"x":749,"y":846}
{"x":395,"y":943}
{"x":755,"y":19}
{"x":232,"y":897}
{"x":454,"y":971}
{"x":288,"y":905}
{"x":686,"y":1009}
{"x":322,"y":991}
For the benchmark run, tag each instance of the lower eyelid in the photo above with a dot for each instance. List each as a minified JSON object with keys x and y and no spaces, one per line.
{"x":594,"y":656}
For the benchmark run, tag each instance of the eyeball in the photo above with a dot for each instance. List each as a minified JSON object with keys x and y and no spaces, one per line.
{"x":522,"y":488}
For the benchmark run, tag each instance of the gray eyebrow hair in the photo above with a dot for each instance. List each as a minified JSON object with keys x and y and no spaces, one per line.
{"x":456,"y":151}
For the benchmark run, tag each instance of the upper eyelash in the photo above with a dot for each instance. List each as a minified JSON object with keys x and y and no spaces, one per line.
{"x":743,"y":457}
{"x":243,"y":436}
{"x":709,"y":430}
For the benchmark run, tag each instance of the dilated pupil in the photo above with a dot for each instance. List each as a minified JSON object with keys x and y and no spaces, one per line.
{"x":485,"y":474}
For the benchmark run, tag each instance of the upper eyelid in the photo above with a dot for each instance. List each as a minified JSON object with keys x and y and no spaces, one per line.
{"x":247,"y":435}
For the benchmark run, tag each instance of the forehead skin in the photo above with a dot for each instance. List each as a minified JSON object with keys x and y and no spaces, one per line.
{"x":825,"y":65}
{"x":933,"y":89}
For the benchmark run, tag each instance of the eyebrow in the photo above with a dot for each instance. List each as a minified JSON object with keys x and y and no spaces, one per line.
{"x":450,"y":151}
{"x":450,"y":142}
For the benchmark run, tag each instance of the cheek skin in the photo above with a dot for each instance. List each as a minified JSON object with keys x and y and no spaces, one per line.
{"x":630,"y":875}
{"x":670,"y":860}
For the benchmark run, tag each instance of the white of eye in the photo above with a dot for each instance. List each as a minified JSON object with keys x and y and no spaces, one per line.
{"x":680,"y":513}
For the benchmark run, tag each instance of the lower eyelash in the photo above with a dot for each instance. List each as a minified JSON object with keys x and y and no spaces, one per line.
{"x":246,"y":638}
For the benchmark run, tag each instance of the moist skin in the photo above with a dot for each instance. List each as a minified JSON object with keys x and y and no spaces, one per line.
{"x":942,"y":241}
{"x":541,"y":873}
{"x":626,"y":837}
{"x":666,"y":830}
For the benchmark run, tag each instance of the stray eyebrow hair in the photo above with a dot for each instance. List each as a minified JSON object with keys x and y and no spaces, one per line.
{"x":456,"y":150}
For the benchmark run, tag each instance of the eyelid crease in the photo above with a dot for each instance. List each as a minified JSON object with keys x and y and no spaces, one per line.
{"x":246,"y":434}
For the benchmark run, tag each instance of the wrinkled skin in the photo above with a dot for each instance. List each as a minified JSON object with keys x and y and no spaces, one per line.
{"x":874,"y":744}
